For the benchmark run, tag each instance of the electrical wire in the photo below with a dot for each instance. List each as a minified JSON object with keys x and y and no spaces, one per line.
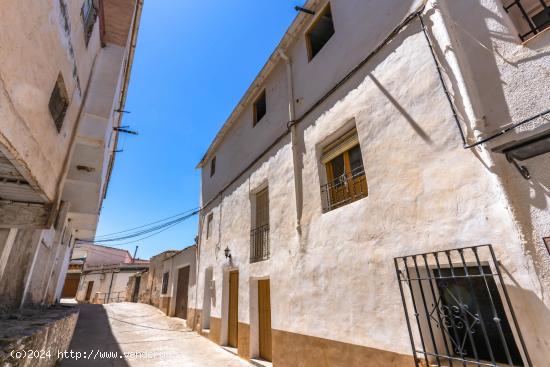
{"x":142,"y":234}
{"x":146,"y":225}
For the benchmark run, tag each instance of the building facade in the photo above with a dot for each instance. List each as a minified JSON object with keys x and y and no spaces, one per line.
{"x":64,"y":74}
{"x":379,"y":196}
{"x":169,"y":284}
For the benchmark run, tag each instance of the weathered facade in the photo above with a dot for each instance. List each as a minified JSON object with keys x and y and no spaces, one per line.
{"x":169,"y":284}
{"x":376,"y":131}
{"x":64,"y":74}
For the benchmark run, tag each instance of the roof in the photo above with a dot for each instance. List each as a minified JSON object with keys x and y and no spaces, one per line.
{"x":295,"y":28}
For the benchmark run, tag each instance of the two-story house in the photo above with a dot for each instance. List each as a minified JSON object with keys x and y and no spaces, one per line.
{"x":380,"y":194}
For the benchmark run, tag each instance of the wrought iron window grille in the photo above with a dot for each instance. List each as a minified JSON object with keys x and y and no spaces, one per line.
{"x":454,"y":310}
{"x":89,"y":15}
{"x":535,"y":21}
{"x":344,"y":189}
{"x":259,"y":244}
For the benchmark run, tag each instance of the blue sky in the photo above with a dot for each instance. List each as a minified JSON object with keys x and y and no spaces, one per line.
{"x":194,"y":60}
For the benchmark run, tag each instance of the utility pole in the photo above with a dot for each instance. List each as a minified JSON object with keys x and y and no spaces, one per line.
{"x":135,"y":253}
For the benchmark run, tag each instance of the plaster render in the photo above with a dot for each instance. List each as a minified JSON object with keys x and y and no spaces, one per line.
{"x":333,"y":277}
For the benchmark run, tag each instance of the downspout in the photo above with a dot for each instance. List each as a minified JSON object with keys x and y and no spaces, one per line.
{"x":298,"y":185}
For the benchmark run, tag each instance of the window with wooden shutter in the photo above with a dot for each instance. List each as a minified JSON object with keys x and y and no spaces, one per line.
{"x":346,"y":180}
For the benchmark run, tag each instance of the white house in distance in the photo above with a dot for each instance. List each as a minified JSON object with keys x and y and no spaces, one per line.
{"x":379,"y":196}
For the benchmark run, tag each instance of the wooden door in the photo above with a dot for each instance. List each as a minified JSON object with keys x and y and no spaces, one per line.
{"x":233,"y":319}
{"x":135,"y":295}
{"x":89,"y":290}
{"x":264,"y":309}
{"x":182,"y":292}
{"x":71,"y":286}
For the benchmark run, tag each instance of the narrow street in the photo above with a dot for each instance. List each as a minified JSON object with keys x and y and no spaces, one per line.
{"x":135,"y":334}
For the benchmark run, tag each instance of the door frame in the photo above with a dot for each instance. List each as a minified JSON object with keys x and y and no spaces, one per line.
{"x":224,"y":332}
{"x":89,"y":290}
{"x":174,"y":301}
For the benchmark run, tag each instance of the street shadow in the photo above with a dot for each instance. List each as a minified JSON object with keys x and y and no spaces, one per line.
{"x":93,"y":340}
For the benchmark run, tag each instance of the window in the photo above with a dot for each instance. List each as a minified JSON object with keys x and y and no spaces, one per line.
{"x":209,"y":225}
{"x":459,"y":311}
{"x":259,"y":108}
{"x":346,"y":180}
{"x":165,"y":282}
{"x":547,"y":243}
{"x":259,"y":235}
{"x":88,"y":14}
{"x":213,"y":166}
{"x":320,"y":32}
{"x":59,"y":102}
{"x":529,"y":16}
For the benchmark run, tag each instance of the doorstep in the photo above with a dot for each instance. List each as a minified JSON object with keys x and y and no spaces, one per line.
{"x":260,"y":362}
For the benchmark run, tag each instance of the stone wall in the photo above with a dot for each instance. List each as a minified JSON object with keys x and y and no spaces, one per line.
{"x":44,"y":332}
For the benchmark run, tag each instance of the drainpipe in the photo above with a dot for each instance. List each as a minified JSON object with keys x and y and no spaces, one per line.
{"x":298,"y":190}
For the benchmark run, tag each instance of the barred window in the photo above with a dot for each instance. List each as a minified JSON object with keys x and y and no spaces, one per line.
{"x":529,"y":16}
{"x":165,"y":277}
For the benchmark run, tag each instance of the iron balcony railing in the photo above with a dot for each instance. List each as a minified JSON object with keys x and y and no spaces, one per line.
{"x":259,"y":243}
{"x":458,"y":310}
{"x":535,"y":23}
{"x":349,"y":187}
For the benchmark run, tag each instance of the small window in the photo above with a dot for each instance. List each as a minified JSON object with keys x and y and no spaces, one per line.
{"x":320,"y":32}
{"x":346,"y":180}
{"x":213,"y":166}
{"x":59,"y":102}
{"x":547,"y":243}
{"x":529,"y":16}
{"x":165,"y":277}
{"x":260,"y":107}
{"x":209,"y":225}
{"x":88,"y":14}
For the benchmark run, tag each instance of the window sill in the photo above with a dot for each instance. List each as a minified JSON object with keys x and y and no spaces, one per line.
{"x":538,"y":35}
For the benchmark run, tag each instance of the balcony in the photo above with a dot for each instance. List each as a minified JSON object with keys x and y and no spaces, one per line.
{"x":347,"y":188}
{"x":259,"y":244}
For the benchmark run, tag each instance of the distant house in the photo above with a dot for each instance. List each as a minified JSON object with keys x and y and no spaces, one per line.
{"x":169,"y":284}
{"x":99,"y":274}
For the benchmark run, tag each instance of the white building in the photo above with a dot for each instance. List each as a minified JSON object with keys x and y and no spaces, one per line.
{"x":378,"y":130}
{"x":64,"y":74}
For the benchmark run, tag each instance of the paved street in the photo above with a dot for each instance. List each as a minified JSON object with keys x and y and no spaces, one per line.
{"x":105,"y":335}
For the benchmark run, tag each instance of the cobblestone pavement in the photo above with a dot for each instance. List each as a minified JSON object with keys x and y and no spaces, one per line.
{"x":135,"y":335}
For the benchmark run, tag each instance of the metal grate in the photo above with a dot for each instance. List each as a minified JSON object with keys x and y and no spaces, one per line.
{"x":535,"y":20}
{"x":344,"y":189}
{"x":259,"y":243}
{"x":454,"y":311}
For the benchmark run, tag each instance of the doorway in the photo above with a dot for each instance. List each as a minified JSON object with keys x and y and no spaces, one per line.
{"x":182,"y":292}
{"x":89,"y":291}
{"x":207,"y":299}
{"x":233,"y":317}
{"x":135,"y":295}
{"x":264,"y":319}
{"x":71,"y":286}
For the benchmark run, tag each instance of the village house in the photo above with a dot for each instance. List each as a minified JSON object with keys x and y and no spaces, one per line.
{"x":169,"y":284}
{"x":99,"y":274}
{"x":379,"y":196}
{"x":63,"y":87}
{"x":64,"y":75}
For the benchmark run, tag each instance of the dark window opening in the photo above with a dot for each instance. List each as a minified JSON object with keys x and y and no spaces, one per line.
{"x":209,"y":225}
{"x":320,"y":32}
{"x":478,"y":299}
{"x":260,"y":108}
{"x":88,"y":13}
{"x":165,"y":282}
{"x":59,"y":102}
{"x":454,"y":309}
{"x":212,"y":166}
{"x":529,"y":16}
